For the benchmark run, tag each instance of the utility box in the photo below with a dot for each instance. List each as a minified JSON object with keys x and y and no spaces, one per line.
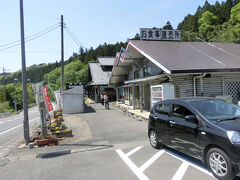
{"x":73,"y":100}
{"x":162,"y":92}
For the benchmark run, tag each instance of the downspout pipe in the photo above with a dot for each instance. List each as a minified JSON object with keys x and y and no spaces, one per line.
{"x":201,"y":84}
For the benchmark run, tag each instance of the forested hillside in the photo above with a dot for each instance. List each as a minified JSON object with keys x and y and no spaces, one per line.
{"x":76,"y":68}
{"x":219,"y":22}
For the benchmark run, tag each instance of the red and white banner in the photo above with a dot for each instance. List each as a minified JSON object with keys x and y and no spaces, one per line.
{"x":47,"y":99}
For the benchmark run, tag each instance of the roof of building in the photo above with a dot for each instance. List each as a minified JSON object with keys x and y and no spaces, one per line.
{"x":187,"y":57}
{"x":99,"y":77}
{"x":106,"y":61}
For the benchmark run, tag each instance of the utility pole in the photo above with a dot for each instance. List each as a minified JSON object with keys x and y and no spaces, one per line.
{"x":24,"y":79}
{"x":62,"y":56}
{"x":4,"y":84}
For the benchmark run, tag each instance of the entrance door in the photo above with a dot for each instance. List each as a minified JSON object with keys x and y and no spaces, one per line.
{"x":183,"y":135}
{"x":137,"y":96}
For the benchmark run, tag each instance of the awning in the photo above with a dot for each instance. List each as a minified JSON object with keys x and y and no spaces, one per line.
{"x":145,"y":79}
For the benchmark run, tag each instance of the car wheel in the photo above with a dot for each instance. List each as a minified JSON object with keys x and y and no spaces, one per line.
{"x":154,"y":140}
{"x":219,"y":164}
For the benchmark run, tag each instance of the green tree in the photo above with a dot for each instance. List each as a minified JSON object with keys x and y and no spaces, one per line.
{"x":207,"y":22}
{"x":235,"y":15}
{"x":168,"y":26}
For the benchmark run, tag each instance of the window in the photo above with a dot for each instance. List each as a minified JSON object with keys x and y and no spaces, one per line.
{"x":180,"y":111}
{"x":217,"y":109}
{"x":162,"y":109}
{"x":147,"y":71}
{"x":107,"y":68}
{"x":126,"y":95}
{"x":136,"y":74}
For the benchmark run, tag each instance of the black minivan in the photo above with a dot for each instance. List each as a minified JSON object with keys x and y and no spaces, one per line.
{"x":204,"y":128}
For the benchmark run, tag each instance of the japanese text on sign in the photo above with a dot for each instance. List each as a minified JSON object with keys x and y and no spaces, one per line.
{"x":47,"y":99}
{"x":158,"y":34}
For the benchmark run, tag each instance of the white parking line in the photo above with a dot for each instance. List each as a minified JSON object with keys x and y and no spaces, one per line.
{"x":151,"y":160}
{"x":181,"y":171}
{"x":139,"y":171}
{"x":133,"y":151}
{"x":132,"y":166}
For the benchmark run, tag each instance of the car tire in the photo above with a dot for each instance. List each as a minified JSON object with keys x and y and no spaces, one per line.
{"x":220,"y":164}
{"x":154,"y":141}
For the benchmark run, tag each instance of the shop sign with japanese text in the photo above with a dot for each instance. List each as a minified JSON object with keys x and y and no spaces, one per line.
{"x":159,"y":34}
{"x":47,"y":99}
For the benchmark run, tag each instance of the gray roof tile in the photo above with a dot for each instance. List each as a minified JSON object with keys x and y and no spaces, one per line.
{"x":106,"y":61}
{"x":192,"y":56}
{"x":99,"y":77}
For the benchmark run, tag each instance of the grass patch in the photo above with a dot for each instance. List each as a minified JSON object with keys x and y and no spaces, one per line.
{"x":4,"y":107}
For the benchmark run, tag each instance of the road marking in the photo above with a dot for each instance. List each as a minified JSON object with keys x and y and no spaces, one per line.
{"x":133,"y":151}
{"x":10,"y":129}
{"x":189,"y":162}
{"x":17,"y":126}
{"x":151,"y":160}
{"x":132,"y":166}
{"x":181,"y":171}
{"x":7,"y":149}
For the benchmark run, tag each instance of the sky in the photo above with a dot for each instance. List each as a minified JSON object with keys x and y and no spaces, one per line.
{"x":93,"y":22}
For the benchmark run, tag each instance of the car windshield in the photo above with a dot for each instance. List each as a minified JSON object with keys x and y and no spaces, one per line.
{"x":217,"y":109}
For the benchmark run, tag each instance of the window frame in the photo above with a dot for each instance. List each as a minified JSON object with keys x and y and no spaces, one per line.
{"x":186,"y":107}
{"x":169,"y":109}
{"x":146,"y":72}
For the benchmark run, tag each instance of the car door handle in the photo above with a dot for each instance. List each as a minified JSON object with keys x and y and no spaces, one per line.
{"x":155,"y":117}
{"x":172,"y":122}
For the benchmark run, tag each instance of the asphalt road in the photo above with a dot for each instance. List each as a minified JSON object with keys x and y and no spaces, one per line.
{"x":11,"y":129}
{"x":118,"y":148}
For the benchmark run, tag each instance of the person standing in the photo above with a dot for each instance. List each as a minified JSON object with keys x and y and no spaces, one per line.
{"x":106,"y":101}
{"x":102,"y":99}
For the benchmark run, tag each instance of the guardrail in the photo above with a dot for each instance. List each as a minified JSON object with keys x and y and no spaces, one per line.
{"x":4,"y":114}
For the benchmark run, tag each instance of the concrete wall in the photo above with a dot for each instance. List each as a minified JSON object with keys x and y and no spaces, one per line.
{"x":73,"y":101}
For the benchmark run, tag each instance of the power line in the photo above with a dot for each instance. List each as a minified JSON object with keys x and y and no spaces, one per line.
{"x":75,"y":37}
{"x":30,"y":35}
{"x":30,"y":39}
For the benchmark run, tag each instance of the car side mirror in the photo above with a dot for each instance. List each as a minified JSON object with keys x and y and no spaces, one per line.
{"x":191,"y":118}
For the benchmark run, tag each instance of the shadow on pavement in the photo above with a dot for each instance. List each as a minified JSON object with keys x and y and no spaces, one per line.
{"x":89,"y":109}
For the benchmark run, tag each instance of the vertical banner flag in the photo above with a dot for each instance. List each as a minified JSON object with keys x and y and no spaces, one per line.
{"x":47,"y":99}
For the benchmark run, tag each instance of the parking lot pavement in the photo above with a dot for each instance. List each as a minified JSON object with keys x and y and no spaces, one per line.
{"x":148,"y":163}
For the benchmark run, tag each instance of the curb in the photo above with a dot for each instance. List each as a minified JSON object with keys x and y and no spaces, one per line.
{"x":127,"y":112}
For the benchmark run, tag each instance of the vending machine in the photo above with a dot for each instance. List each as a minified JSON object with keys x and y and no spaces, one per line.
{"x":162,"y":92}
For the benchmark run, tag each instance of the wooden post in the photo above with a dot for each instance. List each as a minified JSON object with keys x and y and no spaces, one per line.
{"x":133,"y":96}
{"x":95,"y":92}
{"x":117,"y":95}
{"x":141,"y":98}
{"x":150,"y":84}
